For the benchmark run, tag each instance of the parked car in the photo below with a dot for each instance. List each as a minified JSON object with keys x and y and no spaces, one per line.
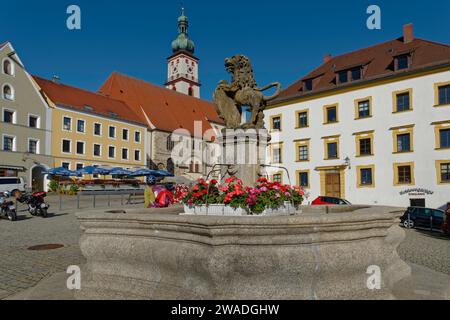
{"x":424,"y":218}
{"x":446,"y":224}
{"x":330,"y":201}
{"x":12,"y":185}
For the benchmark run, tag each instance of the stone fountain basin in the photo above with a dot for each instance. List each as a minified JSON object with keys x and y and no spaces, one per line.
{"x":323,"y":253}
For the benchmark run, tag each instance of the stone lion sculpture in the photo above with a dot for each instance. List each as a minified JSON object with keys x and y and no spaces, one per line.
{"x":243,"y":91}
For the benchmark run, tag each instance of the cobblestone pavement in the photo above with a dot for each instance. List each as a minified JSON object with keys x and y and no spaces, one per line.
{"x":21,"y":268}
{"x":428,"y":249}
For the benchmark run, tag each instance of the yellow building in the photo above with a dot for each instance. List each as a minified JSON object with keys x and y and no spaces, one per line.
{"x":92,"y":129}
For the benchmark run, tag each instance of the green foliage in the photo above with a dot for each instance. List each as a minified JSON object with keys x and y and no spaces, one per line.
{"x":53,"y":185}
{"x":266,"y":195}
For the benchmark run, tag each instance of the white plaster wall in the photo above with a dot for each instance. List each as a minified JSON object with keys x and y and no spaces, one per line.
{"x":383,"y":119}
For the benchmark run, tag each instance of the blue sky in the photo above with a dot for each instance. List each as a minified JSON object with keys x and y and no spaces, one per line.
{"x":285,"y":39}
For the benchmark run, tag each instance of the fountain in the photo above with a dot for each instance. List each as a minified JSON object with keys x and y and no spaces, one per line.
{"x":316,"y":253}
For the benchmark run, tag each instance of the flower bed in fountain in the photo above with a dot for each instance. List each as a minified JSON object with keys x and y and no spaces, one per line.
{"x":232,"y":198}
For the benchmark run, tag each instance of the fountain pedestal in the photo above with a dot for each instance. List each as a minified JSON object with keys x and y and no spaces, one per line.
{"x":243,"y":153}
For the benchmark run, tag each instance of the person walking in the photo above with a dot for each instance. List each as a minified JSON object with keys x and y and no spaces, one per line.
{"x":149,"y":194}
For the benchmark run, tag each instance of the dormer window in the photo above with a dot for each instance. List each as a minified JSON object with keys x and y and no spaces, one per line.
{"x":308,"y":85}
{"x":349,"y":75}
{"x":343,"y":76}
{"x":356,"y":74}
{"x":402,"y":62}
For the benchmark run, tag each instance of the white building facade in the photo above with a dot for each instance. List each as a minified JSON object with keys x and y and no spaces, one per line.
{"x":382,"y":141}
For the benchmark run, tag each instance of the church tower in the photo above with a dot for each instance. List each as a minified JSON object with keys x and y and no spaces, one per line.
{"x":182,"y":64}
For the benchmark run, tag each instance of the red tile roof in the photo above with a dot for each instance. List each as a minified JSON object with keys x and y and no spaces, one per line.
{"x":377,"y":61}
{"x":166,"y":109}
{"x":76,"y":98}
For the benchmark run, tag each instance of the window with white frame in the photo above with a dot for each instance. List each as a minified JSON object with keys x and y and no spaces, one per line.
{"x":66,"y":165}
{"x":9,"y":143}
{"x":112,"y":132}
{"x":81,"y":126}
{"x":8,"y":67}
{"x":97,"y":150}
{"x":8,"y":92}
{"x":125,"y":134}
{"x":111,"y":152}
{"x":124,"y":154}
{"x":80,"y":147}
{"x":34,"y":121}
{"x":67,"y":123}
{"x":33,"y":146}
{"x":9,"y":116}
{"x":66,"y":146}
{"x":137,"y":155}
{"x":137,"y":136}
{"x":97,"y":129}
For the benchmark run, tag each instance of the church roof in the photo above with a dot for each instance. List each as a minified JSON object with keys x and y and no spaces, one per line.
{"x":167,"y":110}
{"x":87,"y":101}
{"x":377,"y":62}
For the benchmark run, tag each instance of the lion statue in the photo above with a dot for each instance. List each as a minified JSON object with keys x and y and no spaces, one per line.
{"x":243,"y":91}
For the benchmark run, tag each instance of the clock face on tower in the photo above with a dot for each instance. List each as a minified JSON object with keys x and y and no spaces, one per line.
{"x":182,"y":75}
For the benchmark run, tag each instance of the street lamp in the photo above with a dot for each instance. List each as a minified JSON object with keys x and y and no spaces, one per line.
{"x":347,"y":162}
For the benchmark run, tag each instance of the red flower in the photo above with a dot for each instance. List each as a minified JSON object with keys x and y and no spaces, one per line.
{"x":214,"y":182}
{"x":262,"y":180}
{"x":230,"y":180}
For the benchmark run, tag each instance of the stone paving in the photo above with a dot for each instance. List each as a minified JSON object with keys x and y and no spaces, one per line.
{"x":21,"y":268}
{"x":429,"y":249}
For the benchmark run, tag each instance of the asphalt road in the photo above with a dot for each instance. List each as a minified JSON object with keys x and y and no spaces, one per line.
{"x":21,"y":268}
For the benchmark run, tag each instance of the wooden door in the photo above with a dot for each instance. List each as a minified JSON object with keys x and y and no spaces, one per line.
{"x":333,"y":184}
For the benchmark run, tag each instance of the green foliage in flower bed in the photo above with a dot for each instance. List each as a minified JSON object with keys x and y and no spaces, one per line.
{"x":265,"y":195}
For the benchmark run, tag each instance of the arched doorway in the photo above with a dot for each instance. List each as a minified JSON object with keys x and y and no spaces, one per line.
{"x":37,"y":179}
{"x":170,"y":166}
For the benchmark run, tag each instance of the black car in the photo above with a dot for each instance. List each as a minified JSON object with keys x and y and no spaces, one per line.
{"x":423,"y":218}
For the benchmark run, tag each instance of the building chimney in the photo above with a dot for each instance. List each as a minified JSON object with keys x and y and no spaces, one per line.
{"x":408,"y":33}
{"x":56,"y":79}
{"x":327,"y":58}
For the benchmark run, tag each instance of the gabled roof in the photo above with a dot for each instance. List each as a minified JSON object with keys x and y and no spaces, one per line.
{"x":4,"y":44}
{"x":377,"y":63}
{"x":167,"y":110}
{"x":86,"y":101}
